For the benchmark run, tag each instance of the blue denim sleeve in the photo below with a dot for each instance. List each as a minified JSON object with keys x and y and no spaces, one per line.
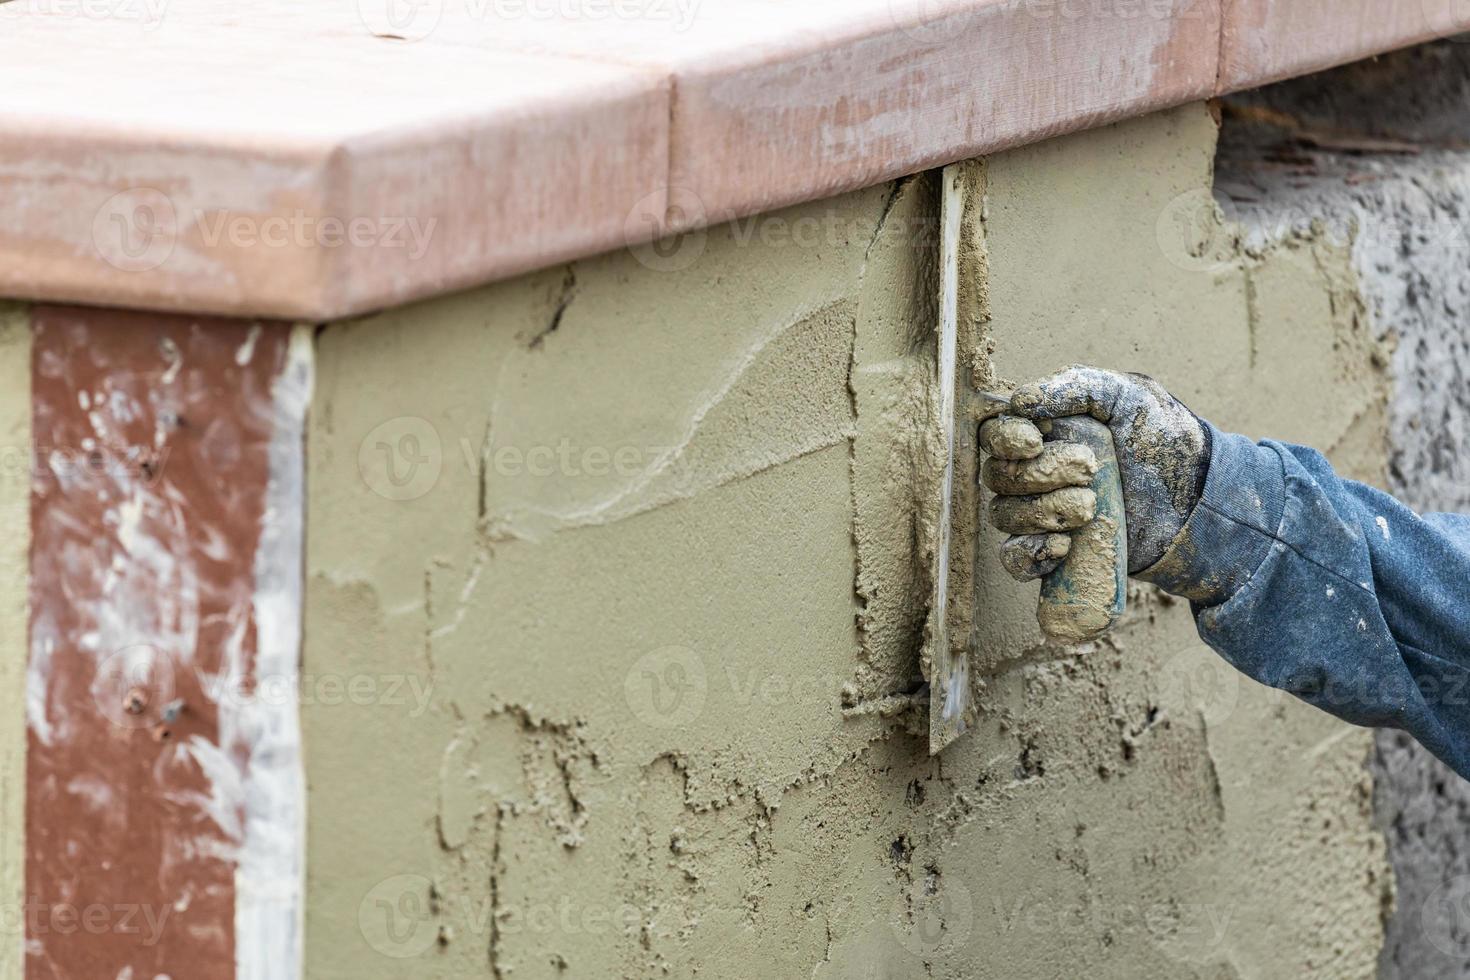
{"x":1330,"y":590}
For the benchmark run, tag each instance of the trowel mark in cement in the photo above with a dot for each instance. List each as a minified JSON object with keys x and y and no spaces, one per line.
{"x":785,"y":398}
{"x":517,"y":763}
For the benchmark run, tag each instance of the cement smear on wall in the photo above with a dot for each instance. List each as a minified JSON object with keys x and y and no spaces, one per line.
{"x":15,"y":504}
{"x":1377,"y":155}
{"x":616,"y":596}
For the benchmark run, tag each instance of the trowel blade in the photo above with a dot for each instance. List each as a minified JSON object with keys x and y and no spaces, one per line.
{"x":945,"y":659}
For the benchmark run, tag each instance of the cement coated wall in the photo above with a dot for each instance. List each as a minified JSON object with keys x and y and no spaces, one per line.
{"x":15,"y":503}
{"x":1375,"y":153}
{"x":617,"y":584}
{"x":615,"y":602}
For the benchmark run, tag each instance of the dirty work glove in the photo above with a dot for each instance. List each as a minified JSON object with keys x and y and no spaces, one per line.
{"x":1041,"y":488}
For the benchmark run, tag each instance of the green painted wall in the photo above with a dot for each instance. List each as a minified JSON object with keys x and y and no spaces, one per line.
{"x":616,"y":593}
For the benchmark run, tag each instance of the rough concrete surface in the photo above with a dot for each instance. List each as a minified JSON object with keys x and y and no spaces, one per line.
{"x":1377,"y":154}
{"x":618,"y":571}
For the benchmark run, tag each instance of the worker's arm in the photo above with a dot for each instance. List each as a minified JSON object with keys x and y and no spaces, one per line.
{"x":1320,"y":586}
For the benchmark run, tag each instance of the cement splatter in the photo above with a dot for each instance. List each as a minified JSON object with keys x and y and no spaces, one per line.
{"x":1060,"y":464}
{"x":1060,"y":510}
{"x":1009,"y":438}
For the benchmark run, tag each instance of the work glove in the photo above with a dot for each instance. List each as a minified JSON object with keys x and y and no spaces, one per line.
{"x":1041,"y":488}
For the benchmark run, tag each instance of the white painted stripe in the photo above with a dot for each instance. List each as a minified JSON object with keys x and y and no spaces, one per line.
{"x":270,"y":877}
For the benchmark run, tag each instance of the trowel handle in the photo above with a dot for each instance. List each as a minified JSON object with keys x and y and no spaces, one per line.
{"x":1086,"y":594}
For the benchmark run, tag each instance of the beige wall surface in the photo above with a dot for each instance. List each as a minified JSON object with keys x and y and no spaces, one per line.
{"x":15,"y":503}
{"x":615,"y":599}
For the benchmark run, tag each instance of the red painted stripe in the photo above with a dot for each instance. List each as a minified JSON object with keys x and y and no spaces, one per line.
{"x":152,"y":436}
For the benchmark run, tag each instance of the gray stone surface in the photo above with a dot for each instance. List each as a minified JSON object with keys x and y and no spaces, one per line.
{"x":1380,"y":151}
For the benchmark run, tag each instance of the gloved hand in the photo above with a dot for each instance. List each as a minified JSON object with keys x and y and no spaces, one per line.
{"x":1041,"y":488}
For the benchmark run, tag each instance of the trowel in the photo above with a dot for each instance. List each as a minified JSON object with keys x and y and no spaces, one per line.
{"x":1086,"y":594}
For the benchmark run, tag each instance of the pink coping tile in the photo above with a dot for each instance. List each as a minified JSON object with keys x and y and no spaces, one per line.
{"x":324,"y":160}
{"x":1268,"y":40}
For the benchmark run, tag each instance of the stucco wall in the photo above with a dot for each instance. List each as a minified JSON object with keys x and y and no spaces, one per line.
{"x":1375,"y":153}
{"x":614,"y":612}
{"x":15,"y":500}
